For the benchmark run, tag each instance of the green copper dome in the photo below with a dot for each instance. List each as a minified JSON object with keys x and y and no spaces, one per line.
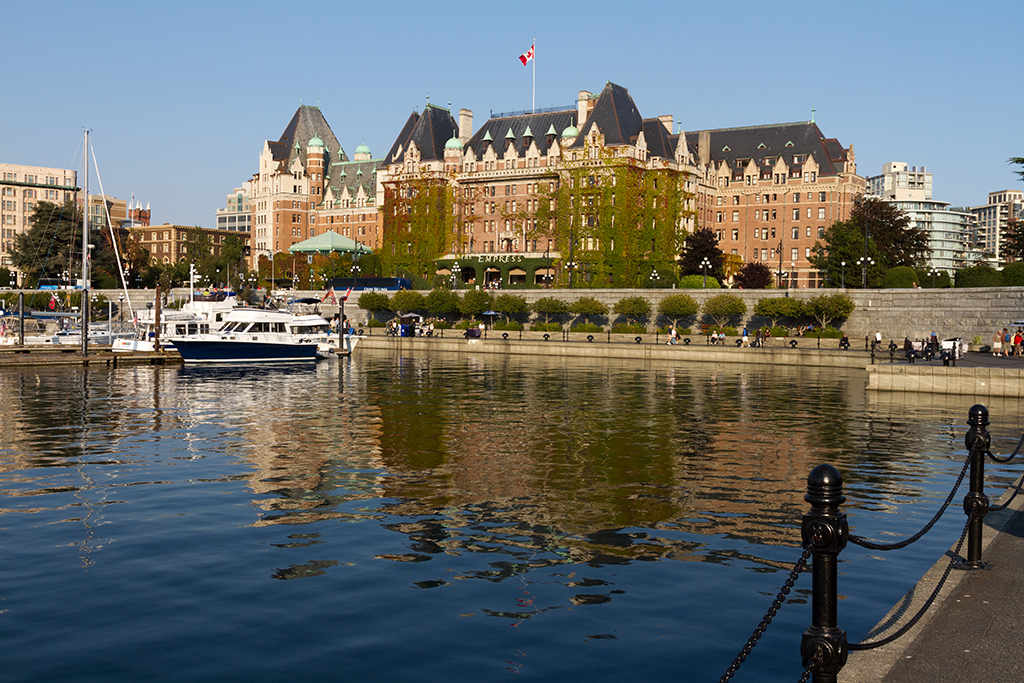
{"x":454,"y":143}
{"x":363,"y":149}
{"x":570,"y":132}
{"x":315,"y":141}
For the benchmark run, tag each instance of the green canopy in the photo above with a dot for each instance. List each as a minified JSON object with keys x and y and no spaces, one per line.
{"x":329,"y":243}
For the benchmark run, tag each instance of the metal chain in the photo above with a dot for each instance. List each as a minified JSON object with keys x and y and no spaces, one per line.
{"x":810,"y":665}
{"x":928,"y":603}
{"x":871,"y":545}
{"x":1010,"y":456}
{"x":772,"y":611}
{"x":997,"y":508}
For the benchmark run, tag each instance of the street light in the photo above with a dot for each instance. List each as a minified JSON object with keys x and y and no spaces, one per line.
{"x":792,"y":274}
{"x":933,"y":273}
{"x":704,"y":265}
{"x":864,"y":262}
{"x":456,"y":272}
{"x":570,"y":265}
{"x":843,"y":285}
{"x":120,"y":306}
{"x":654,"y":277}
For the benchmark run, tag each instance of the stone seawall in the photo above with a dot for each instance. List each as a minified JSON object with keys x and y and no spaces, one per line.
{"x":896,"y":313}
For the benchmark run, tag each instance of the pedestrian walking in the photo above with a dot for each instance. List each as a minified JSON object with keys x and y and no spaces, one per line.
{"x":997,"y":343}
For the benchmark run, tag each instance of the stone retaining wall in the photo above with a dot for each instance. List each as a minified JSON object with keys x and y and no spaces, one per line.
{"x":896,"y":313}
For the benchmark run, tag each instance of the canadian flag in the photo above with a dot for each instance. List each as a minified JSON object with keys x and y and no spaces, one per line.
{"x":528,"y":56}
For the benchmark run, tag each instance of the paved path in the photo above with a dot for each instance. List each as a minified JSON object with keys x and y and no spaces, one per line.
{"x":975,"y":631}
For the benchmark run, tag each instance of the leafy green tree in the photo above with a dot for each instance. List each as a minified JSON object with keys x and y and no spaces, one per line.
{"x":1015,"y":238}
{"x":510,"y":304}
{"x":825,"y":308}
{"x":548,"y":306}
{"x":900,"y":277}
{"x":374,"y":302}
{"x":979,"y":275}
{"x":754,"y":275}
{"x":777,"y":308}
{"x":51,"y":245}
{"x":698,"y":282}
{"x":724,"y":308}
{"x":702,"y":244}
{"x":442,"y":301}
{"x":588,"y":306}
{"x":408,"y":301}
{"x":474,"y":302}
{"x":1019,"y":161}
{"x":1013,"y":275}
{"x":633,"y":307}
{"x":678,"y":306}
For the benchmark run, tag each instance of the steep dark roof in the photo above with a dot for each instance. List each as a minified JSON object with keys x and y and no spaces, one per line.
{"x":429,"y":130}
{"x":353,"y":175}
{"x":307,"y":123}
{"x":660,"y":143}
{"x":539,"y":124}
{"x":616,"y":115}
{"x":785,"y":139}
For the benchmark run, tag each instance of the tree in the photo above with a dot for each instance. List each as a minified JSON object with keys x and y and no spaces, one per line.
{"x":724,"y":308}
{"x":548,"y":306}
{"x":1019,"y":161}
{"x":633,"y":307}
{"x":900,"y":277}
{"x":510,"y":304}
{"x":677,"y":306}
{"x":442,"y":301}
{"x":1015,"y":238}
{"x":374,"y":302}
{"x":52,"y":244}
{"x":588,"y":306}
{"x":1013,"y":275}
{"x":891,"y":241}
{"x":754,"y":275}
{"x":702,"y":244}
{"x":474,"y":302}
{"x":979,"y":275}
{"x":776,"y":308}
{"x":698,"y":282}
{"x":408,"y":301}
{"x":828,"y":307}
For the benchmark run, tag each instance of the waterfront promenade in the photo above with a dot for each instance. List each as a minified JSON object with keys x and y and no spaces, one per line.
{"x":972,"y":634}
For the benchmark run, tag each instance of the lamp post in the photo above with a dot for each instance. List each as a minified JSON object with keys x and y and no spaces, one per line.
{"x":120,"y":306}
{"x":654,"y":277}
{"x":355,"y":275}
{"x":704,"y":265}
{"x":843,"y":285}
{"x":933,"y":273}
{"x":864,"y":262}
{"x":792,"y":274}
{"x":570,"y":265}
{"x":456,"y":273}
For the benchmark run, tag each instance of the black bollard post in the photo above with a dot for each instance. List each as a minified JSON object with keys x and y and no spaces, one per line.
{"x":824,"y":531}
{"x":977,"y":442}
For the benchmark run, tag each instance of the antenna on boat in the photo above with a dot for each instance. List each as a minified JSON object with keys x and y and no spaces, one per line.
{"x":84,"y":307}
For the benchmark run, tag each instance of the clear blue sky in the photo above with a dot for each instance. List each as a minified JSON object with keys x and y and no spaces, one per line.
{"x":181,"y":96}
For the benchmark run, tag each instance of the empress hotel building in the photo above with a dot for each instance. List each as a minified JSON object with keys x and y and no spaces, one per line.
{"x":768,"y":192}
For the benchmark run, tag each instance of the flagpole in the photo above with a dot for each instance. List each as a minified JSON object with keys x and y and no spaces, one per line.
{"x":534,"y":75}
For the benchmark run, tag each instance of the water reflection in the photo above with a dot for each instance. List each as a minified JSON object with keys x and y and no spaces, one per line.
{"x":519,"y":489}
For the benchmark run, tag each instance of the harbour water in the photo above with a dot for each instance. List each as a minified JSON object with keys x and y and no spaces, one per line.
{"x":458,"y":518}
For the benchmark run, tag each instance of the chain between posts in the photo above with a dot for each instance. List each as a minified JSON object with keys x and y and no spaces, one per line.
{"x":772,"y":611}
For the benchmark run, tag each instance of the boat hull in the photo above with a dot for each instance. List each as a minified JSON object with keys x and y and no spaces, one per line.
{"x":241,"y":351}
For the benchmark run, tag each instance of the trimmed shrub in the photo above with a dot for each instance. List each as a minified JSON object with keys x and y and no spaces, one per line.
{"x":1013,"y":274}
{"x":508,"y":327}
{"x":586,"y":327}
{"x":546,"y":327}
{"x":981,"y":275}
{"x":697,"y":282}
{"x":900,"y":277}
{"x":623,"y":328}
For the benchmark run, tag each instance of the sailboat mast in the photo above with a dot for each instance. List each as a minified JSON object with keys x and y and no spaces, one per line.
{"x":84,"y":308}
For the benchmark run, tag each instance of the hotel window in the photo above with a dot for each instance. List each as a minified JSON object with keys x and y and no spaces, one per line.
{"x":794,"y":254}
{"x":821,"y":196}
{"x":807,"y":253}
{"x":735,"y":234}
{"x":808,"y":212}
{"x":796,"y":233}
{"x":757,"y":215}
{"x":764,"y":254}
{"x":764,"y":233}
{"x":808,"y":231}
{"x":796,"y":196}
{"x":735,"y":216}
{"x":718,"y":217}
{"x":796,"y":214}
{"x":821,"y":213}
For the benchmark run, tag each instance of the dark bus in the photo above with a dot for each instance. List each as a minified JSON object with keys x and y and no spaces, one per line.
{"x":370,"y":284}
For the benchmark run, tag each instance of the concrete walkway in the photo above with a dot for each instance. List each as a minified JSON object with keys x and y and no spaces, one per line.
{"x":974,"y":633}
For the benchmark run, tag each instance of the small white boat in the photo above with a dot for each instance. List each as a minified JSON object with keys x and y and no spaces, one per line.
{"x":201,"y":315}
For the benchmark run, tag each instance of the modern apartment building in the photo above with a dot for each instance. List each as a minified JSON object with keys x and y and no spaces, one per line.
{"x":992,"y":221}
{"x":950,"y":232}
{"x":20,"y":188}
{"x":237,"y":215}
